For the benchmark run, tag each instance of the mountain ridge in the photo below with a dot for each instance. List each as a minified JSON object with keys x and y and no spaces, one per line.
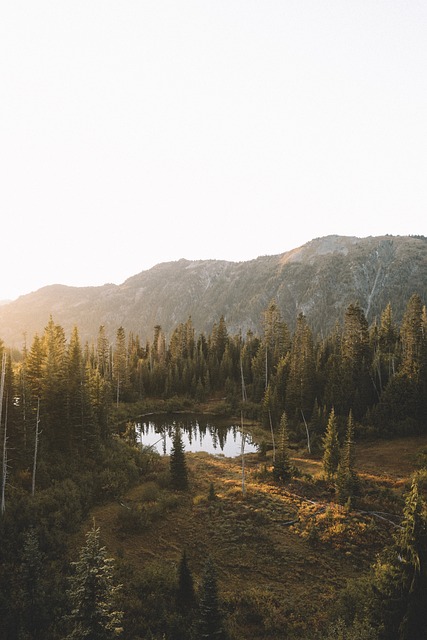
{"x":320,"y":279}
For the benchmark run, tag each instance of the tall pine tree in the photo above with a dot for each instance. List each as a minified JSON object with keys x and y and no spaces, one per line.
{"x":31,"y":597}
{"x":347,"y":479}
{"x":177,"y":462}
{"x":209,"y":625}
{"x":185,"y":597}
{"x":283,"y":469}
{"x":400,"y":581}
{"x":331,"y":447}
{"x":93,"y":594}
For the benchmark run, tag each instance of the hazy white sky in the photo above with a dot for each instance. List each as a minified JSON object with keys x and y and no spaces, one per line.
{"x":134,"y":132}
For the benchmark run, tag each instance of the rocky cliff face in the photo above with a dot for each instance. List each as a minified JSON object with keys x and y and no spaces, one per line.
{"x":320,"y":279}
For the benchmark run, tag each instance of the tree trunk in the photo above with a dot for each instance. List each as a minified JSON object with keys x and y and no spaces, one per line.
{"x":307,"y":432}
{"x":36,"y":446}
{"x":4,"y":457}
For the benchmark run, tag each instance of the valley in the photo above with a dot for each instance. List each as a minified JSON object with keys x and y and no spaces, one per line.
{"x":273,"y":577}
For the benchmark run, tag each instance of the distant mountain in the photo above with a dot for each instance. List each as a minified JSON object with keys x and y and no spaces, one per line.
{"x":320,"y":279}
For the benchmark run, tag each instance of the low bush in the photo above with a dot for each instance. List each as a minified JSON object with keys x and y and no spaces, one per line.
{"x":149,"y":492}
{"x":132,"y":520}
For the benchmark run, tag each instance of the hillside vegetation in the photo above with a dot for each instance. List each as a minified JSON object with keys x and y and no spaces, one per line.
{"x":319,"y":279}
{"x":323,"y":536}
{"x":276,"y":577}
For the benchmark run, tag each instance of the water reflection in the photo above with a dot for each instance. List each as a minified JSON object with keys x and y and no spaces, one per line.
{"x":199,"y":433}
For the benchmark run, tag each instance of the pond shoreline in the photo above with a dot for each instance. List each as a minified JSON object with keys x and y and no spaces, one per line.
{"x":201,"y":432}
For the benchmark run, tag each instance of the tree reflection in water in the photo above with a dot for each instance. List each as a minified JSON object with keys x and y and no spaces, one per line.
{"x":199,"y":433}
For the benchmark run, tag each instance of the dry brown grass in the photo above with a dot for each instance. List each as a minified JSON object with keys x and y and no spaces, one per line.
{"x":391,"y":459}
{"x":264,"y":563}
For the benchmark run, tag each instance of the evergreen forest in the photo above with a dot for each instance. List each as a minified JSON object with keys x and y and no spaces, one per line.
{"x":85,"y":508}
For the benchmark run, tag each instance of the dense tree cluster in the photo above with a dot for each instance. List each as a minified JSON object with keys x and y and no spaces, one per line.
{"x":391,"y":603}
{"x":377,"y":372}
{"x":59,"y":458}
{"x":57,"y":398}
{"x":61,"y":452}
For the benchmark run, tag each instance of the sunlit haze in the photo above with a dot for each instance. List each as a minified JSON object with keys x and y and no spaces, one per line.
{"x":139,"y":132}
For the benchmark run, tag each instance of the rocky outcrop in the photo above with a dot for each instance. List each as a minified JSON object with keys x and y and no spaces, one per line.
{"x":320,"y":279}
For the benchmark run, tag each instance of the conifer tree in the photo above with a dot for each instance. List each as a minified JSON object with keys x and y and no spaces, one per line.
{"x":330,"y":371}
{"x":93,"y":594}
{"x":99,"y":392}
{"x":331,"y":447}
{"x":209,"y":624}
{"x":347,"y":480}
{"x":412,"y":338}
{"x":412,"y":546}
{"x":276,"y":336}
{"x":103,"y":354}
{"x":355,"y":361}
{"x":282,"y":466}
{"x":185,"y":596}
{"x":386,"y":349}
{"x":78,"y":401}
{"x":400,"y":583}
{"x":31,"y":595}
{"x":120,"y":366}
{"x":301,"y":389}
{"x":219,"y":338}
{"x":53,"y":397}
{"x":183,"y":621}
{"x":177,"y":462}
{"x":34,"y":369}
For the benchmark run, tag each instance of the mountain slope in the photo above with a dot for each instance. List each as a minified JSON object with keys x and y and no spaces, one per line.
{"x":320,"y":279}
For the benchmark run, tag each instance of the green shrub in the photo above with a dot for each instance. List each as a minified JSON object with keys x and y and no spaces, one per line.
{"x":164,"y":479}
{"x":149,"y":492}
{"x":259,"y":608}
{"x":358,"y":630}
{"x":132,"y":520}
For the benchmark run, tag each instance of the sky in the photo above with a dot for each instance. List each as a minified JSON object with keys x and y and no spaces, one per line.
{"x":135,"y":132}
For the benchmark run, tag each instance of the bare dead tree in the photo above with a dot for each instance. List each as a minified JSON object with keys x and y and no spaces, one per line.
{"x":4,"y":455}
{"x":272,"y":435}
{"x":4,"y":466}
{"x":36,"y":446}
{"x":243,"y":453}
{"x":243,"y":435}
{"x":307,"y":432}
{"x":269,"y":410}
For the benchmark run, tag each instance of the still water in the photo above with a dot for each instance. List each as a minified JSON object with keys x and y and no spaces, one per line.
{"x":199,"y":433}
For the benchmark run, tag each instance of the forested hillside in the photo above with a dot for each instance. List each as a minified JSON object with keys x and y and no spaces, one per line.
{"x":68,"y":448}
{"x":319,"y":279}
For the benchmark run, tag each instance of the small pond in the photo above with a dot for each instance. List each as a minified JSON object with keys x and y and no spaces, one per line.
{"x":199,"y":433}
